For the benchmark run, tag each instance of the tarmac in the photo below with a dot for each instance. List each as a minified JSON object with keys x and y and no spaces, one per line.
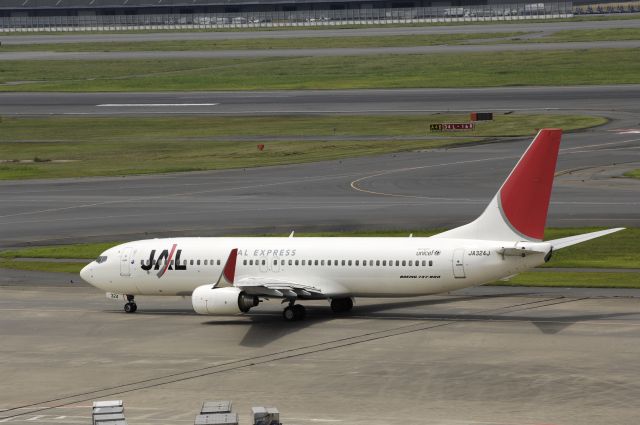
{"x":481,"y":356}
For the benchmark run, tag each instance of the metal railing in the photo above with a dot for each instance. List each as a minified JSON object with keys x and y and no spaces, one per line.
{"x":305,"y":18}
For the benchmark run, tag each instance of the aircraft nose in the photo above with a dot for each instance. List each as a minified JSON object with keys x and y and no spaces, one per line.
{"x":85,"y":273}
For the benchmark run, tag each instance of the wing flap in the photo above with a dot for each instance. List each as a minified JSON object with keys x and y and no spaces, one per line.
{"x":277,"y":288}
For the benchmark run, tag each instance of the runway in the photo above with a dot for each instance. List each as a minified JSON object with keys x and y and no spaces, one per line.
{"x":619,"y":102}
{"x":482,"y":356}
{"x":546,"y":27}
{"x":319,"y":52}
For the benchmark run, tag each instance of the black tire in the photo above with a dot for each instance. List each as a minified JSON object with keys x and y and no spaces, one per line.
{"x":289,"y":314}
{"x":300,"y":311}
{"x":134,"y":307}
{"x":341,"y":305}
{"x":128,"y":308}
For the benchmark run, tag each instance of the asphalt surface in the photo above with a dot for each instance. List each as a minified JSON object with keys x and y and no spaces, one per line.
{"x":318,"y":52}
{"x":483,"y":356}
{"x":364,"y":32}
{"x":402,"y":191}
{"x":436,"y":188}
{"x":618,"y":102}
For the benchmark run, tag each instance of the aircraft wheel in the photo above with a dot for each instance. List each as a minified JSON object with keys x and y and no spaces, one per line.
{"x":341,"y":305}
{"x":300,"y":311}
{"x":130,"y":307}
{"x":289,"y":314}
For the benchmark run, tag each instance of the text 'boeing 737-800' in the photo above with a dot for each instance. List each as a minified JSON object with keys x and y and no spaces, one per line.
{"x":226,"y":276}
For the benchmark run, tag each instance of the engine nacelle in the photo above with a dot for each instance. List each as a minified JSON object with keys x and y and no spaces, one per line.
{"x":223,"y":301}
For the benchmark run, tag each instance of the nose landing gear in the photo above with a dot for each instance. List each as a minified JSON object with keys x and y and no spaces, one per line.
{"x":130,"y":306}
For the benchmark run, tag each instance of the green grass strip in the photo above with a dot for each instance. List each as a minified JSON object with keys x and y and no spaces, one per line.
{"x":633,"y":174}
{"x":497,"y":69}
{"x":262,"y":43}
{"x":80,"y":147}
{"x":574,"y":280}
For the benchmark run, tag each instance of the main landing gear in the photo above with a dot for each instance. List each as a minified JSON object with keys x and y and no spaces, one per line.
{"x":341,"y":305}
{"x":130,"y":306}
{"x":294,"y":312}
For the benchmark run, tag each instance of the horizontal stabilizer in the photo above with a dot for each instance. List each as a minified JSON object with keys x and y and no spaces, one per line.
{"x":572,"y":240}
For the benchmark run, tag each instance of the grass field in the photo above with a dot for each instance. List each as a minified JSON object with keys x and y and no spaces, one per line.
{"x":616,"y":34}
{"x":262,"y":43}
{"x":633,"y":174}
{"x":519,"y":68}
{"x":620,"y":250}
{"x":94,"y":146}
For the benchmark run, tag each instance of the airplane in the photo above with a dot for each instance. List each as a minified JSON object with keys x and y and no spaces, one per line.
{"x":232,"y":275}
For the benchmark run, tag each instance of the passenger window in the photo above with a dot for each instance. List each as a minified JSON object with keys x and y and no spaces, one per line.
{"x":251,"y":262}
{"x":357,"y":262}
{"x":282,"y":262}
{"x":404,"y":263}
{"x":384,"y":262}
{"x":304,"y":262}
{"x":364,"y":262}
{"x":424,"y":263}
{"x":410,"y":263}
{"x":349,"y":262}
{"x":377,"y":262}
{"x":198,"y":262}
{"x":296,"y":262}
{"x":244,"y":262}
{"x":290,"y":262}
{"x":191,"y":262}
{"x":275,"y":262}
{"x":206,"y":262}
{"x":343,"y":262}
{"x":430,"y":263}
{"x":218,"y":262}
{"x":316,"y":262}
{"x":397,"y":263}
{"x":264,"y":262}
{"x":322,"y":262}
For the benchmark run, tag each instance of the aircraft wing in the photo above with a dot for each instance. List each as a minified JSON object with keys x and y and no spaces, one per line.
{"x":277,"y":288}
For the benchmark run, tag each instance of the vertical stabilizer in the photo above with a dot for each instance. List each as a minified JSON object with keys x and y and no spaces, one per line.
{"x":519,"y":210}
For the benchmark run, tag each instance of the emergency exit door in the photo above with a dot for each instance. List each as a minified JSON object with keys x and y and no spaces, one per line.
{"x":458,"y":263}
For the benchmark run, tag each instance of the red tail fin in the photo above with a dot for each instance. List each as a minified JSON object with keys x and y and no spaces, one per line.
{"x":524,"y":196}
{"x":519,"y":210}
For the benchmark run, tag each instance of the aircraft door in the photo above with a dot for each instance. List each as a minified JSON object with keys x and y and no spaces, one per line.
{"x":264,"y":264}
{"x":458,"y":263}
{"x":125,"y":261}
{"x":274,"y":263}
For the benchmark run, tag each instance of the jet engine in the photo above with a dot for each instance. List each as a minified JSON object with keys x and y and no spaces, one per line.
{"x":208,"y":300}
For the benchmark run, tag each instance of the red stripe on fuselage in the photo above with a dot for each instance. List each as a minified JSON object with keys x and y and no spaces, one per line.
{"x":166,"y":266}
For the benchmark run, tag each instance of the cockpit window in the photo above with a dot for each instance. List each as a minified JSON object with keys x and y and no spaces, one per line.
{"x":101,"y":259}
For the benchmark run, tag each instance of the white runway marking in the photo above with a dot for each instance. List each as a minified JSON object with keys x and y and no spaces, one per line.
{"x":151,"y":105}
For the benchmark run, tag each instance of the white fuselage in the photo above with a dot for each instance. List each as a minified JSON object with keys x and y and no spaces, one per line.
{"x":355,"y":267}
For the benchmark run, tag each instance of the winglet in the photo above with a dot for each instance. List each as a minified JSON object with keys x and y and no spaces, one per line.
{"x":229,"y":271}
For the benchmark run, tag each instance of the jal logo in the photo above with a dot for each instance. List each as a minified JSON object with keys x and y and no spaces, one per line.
{"x":163,"y":262}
